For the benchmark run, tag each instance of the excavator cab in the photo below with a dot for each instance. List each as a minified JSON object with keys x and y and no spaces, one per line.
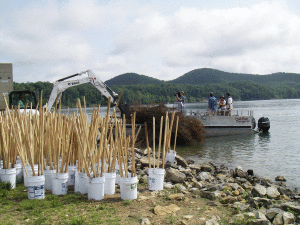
{"x":25,"y":98}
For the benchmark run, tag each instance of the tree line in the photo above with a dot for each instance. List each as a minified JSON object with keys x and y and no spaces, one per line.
{"x":164,"y":92}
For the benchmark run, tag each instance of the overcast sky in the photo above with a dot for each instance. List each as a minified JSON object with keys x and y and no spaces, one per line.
{"x":50,"y":39}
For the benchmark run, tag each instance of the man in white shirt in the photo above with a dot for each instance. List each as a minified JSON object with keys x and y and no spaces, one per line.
{"x":229,"y":104}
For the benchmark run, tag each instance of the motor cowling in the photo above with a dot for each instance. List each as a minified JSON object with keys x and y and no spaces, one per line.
{"x":263,"y":124}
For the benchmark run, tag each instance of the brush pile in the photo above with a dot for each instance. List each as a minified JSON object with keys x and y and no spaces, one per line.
{"x":190,"y":130}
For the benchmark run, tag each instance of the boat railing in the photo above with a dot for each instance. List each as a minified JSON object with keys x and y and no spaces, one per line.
{"x":225,"y":112}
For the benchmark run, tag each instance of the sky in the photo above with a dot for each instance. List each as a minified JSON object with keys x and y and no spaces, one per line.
{"x":46,"y":40}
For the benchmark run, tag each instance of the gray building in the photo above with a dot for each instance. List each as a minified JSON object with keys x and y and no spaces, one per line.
{"x":6,"y":82}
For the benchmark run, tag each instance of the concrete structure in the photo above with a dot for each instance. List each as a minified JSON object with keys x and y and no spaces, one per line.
{"x":6,"y":82}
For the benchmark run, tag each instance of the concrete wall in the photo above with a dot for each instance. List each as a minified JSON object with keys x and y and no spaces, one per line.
{"x":6,"y":82}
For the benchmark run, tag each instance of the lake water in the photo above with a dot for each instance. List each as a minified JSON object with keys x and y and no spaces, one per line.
{"x":269,"y":155}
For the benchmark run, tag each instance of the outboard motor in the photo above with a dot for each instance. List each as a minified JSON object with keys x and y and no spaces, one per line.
{"x":263,"y":124}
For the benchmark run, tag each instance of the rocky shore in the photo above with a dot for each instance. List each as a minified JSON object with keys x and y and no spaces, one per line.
{"x":256,"y":200}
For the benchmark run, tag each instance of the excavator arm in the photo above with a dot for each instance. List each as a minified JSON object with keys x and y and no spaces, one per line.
{"x":62,"y":84}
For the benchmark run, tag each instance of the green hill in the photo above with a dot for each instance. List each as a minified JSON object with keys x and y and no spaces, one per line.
{"x":132,"y":79}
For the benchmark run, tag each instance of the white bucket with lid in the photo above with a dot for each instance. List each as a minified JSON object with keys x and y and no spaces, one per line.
{"x":8,"y":175}
{"x":96,"y":188}
{"x":49,"y":174}
{"x":159,"y":175}
{"x":36,"y":187}
{"x":151,"y":179}
{"x":83,"y":183}
{"x":60,"y":184}
{"x":77,"y":181}
{"x":170,"y":157}
{"x":110,"y":181}
{"x":71,"y":171}
{"x":19,"y":172}
{"x":128,"y":187}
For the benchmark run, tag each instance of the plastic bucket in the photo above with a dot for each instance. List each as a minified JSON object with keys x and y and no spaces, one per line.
{"x":60,"y":184}
{"x":117,"y":169}
{"x":49,"y":174}
{"x":159,"y":175}
{"x":29,"y":170}
{"x":19,"y":172}
{"x":8,"y":175}
{"x":170,"y":156}
{"x":36,"y":187}
{"x":128,"y":188}
{"x":77,"y":181}
{"x":151,"y":179}
{"x":71,"y":178}
{"x":83,"y":183}
{"x":110,"y":181}
{"x":96,"y":188}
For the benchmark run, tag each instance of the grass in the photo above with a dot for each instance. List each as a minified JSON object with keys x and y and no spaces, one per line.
{"x":74,"y":208}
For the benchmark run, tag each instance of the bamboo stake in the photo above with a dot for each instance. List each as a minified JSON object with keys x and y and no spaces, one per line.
{"x":176,"y":133}
{"x":147,"y":142}
{"x":154,"y":142}
{"x":160,"y":135}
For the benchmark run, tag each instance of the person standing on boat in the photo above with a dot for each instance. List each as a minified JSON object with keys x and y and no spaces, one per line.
{"x":222,"y":105}
{"x":229,"y":102}
{"x":212,"y":103}
{"x":181,"y":101}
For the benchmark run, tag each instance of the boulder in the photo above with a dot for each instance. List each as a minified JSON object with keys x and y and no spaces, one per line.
{"x":208,"y":167}
{"x":272,"y":192}
{"x":259,"y":191}
{"x":240,"y":206}
{"x":280,"y":178}
{"x":145,"y":221}
{"x":195,"y":166}
{"x":175,"y":176}
{"x":164,"y":210}
{"x":271,"y":213}
{"x":181,"y":161}
{"x":288,"y":218}
{"x":278,"y":220}
{"x":177,"y":197}
{"x":205,"y":176}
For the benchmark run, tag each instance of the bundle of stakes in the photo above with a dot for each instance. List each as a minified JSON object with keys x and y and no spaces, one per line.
{"x":166,"y":147}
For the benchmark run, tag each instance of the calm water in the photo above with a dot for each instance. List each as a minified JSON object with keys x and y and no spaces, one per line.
{"x":269,"y":155}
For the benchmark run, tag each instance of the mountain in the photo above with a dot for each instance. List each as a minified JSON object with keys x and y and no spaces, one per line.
{"x":205,"y":76}
{"x":132,"y":79}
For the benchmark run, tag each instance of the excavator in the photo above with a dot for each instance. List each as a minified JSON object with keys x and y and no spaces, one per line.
{"x":61,"y":85}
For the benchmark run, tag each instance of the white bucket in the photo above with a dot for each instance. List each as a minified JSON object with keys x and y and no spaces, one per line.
{"x":19,"y":172}
{"x":49,"y":174}
{"x":29,"y":170}
{"x":170,"y":156}
{"x":36,"y":187}
{"x":117,"y":169}
{"x":60,"y":184}
{"x":83,"y":183}
{"x":71,"y":178}
{"x":128,"y":188}
{"x":96,"y":188}
{"x":110,"y":181}
{"x":8,"y":175}
{"x":77,"y":181}
{"x":151,"y":179}
{"x":159,"y":175}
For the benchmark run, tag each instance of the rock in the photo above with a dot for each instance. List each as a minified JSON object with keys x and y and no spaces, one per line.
{"x":258,"y":202}
{"x":241,"y":180}
{"x":280,"y":178}
{"x":146,"y":151}
{"x":145,"y":221}
{"x":271,"y":213}
{"x":175,"y":176}
{"x":272,"y":192}
{"x":240,"y":206}
{"x":145,"y":161}
{"x":221,"y":177}
{"x":278,"y":219}
{"x":290,"y":206}
{"x":164,"y":210}
{"x":250,"y":172}
{"x":288,"y":218}
{"x":240,"y":173}
{"x":197,"y":184}
{"x":177,"y":197}
{"x":181,"y":161}
{"x":195,"y":166}
{"x":168,"y":185}
{"x":210,"y":195}
{"x":260,"y":218}
{"x":228,"y":200}
{"x":189,"y":161}
{"x":213,"y":221}
{"x":208,"y":167}
{"x":236,"y":193}
{"x":205,"y":176}
{"x":285,"y":191}
{"x":259,"y":191}
{"x":187,"y":217}
{"x":235,"y":186}
{"x":187,"y":172}
{"x":181,"y":188}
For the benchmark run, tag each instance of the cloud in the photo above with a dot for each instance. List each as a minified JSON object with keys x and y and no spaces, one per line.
{"x":54,"y":39}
